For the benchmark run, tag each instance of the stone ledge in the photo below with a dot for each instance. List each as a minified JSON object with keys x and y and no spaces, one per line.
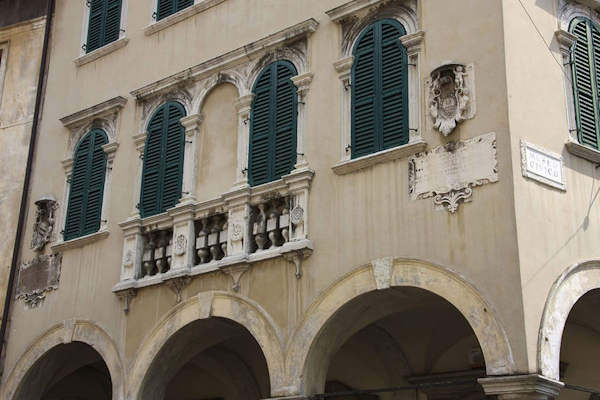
{"x":356,"y":164}
{"x":80,"y":241}
{"x":583,"y":151}
{"x":532,"y":384}
{"x":102,"y":51}
{"x":180,"y":16}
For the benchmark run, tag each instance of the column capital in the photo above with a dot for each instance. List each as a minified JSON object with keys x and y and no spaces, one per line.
{"x":191,"y":121}
{"x":525,"y":387}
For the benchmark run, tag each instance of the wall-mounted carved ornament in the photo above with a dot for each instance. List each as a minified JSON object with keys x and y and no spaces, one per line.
{"x":449,"y":172}
{"x":38,"y":276}
{"x":43,"y":228}
{"x":451,"y":96}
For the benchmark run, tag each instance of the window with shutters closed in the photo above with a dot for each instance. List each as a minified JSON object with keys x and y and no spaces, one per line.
{"x":165,"y":8}
{"x":87,"y":186}
{"x":163,"y":160}
{"x":104,"y":23}
{"x":273,"y":124}
{"x":585,"y":64}
{"x":379,"y":86}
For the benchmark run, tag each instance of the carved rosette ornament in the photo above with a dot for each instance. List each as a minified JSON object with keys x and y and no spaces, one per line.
{"x":297,"y":215}
{"x":180,"y":245}
{"x":451,"y":96}
{"x":236,"y":231}
{"x":43,"y":228}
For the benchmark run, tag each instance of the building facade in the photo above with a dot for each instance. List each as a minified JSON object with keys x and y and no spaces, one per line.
{"x":311,"y":199}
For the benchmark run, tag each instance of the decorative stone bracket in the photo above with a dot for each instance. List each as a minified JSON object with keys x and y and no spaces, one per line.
{"x":451,"y":95}
{"x":126,"y":296}
{"x":236,"y":272}
{"x":178,"y":284}
{"x":296,"y":257}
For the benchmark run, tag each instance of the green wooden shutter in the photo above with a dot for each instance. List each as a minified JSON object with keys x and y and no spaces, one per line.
{"x":169,"y":7}
{"x":87,"y":186}
{"x":104,"y":23}
{"x":379,"y":89}
{"x":273,"y":121}
{"x":586,"y":70}
{"x":95,"y":28}
{"x":163,"y":160}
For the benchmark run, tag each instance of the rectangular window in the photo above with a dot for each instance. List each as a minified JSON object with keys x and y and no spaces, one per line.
{"x":104,"y":23}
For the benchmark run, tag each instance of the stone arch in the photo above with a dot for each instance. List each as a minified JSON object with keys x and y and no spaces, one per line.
{"x":304,"y":361}
{"x":296,"y":55}
{"x":570,"y":286}
{"x":149,"y":107}
{"x":234,"y":77}
{"x":351,"y":32}
{"x":73,"y":330}
{"x":210,"y":304}
{"x":571,"y":10}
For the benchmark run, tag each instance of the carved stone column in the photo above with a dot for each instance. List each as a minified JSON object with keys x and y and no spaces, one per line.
{"x":192,"y":125}
{"x":110,"y":149}
{"x":243,"y":105}
{"x":344,"y":67}
{"x":412,"y":43}
{"x":183,"y":239}
{"x":140,"y":146}
{"x":133,"y":249}
{"x":521,"y":387}
{"x":302,"y":82}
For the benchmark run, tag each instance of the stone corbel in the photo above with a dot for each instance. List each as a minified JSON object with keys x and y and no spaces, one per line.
{"x":236,"y":272}
{"x":140,"y":142}
{"x":125,"y":296}
{"x":177,"y":285}
{"x":412,"y":42}
{"x":296,"y":257}
{"x":566,"y":41}
{"x":302,"y":83}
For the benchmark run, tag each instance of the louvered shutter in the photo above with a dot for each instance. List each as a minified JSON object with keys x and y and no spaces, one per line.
{"x":379,"y":90}
{"x":586,"y":70}
{"x":181,"y":4}
{"x":164,"y":9}
{"x":273,"y":124}
{"x":87,"y":186}
{"x":173,"y":158}
{"x":104,"y":24}
{"x":163,"y":160}
{"x":95,"y":26}
{"x":113,"y":21}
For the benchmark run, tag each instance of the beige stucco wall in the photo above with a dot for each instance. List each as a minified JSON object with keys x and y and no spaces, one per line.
{"x":555,"y":229}
{"x":510,"y":243}
{"x":22,"y":45}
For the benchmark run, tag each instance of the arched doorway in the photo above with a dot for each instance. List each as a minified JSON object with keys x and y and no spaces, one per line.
{"x":213,"y":358}
{"x":580,"y":348}
{"x":402,"y":336}
{"x":67,"y":371}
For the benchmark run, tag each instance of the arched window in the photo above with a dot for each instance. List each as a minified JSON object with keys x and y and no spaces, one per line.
{"x":273,"y":124}
{"x":163,"y":160}
{"x":167,"y":7}
{"x":87,"y":186}
{"x":104,"y":24}
{"x":585,"y":58}
{"x":379,"y":89}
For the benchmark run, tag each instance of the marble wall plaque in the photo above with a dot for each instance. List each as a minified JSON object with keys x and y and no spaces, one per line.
{"x":450,"y":171}
{"x":542,"y":165}
{"x":454,"y":166}
{"x":37,"y":276}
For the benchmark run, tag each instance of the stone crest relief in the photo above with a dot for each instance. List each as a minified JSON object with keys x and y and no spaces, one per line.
{"x":449,"y":172}
{"x":450,"y":96}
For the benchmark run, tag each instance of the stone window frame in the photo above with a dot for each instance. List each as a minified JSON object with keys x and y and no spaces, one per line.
{"x":198,"y":6}
{"x":568,"y":11}
{"x":85,"y":58}
{"x":3,"y":66}
{"x":354,"y":17}
{"x":191,"y":87}
{"x":102,"y":116}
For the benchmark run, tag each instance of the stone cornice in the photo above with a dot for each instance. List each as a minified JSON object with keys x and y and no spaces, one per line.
{"x":82,"y":117}
{"x":521,"y":384}
{"x":12,"y":30}
{"x":227,"y":60}
{"x":346,"y":10}
{"x":79,"y":242}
